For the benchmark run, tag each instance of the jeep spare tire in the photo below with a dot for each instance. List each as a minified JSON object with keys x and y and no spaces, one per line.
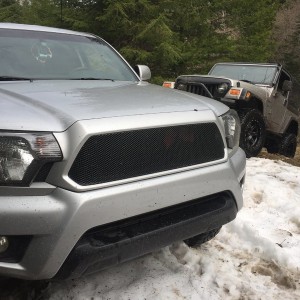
{"x":253,"y":131}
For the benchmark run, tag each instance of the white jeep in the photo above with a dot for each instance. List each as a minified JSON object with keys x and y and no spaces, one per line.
{"x":265,"y":96}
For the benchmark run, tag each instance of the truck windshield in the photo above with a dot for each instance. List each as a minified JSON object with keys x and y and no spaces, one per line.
{"x":50,"y":55}
{"x":253,"y":73}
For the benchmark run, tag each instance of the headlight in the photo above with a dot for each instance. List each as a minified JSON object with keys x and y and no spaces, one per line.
{"x":182,"y":87}
{"x":23,"y":154}
{"x":232,"y":128}
{"x":222,"y":88}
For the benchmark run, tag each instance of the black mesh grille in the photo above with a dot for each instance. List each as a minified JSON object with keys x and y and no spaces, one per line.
{"x":122,"y":155}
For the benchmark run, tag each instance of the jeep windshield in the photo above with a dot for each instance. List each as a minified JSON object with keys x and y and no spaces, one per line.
{"x":250,"y":73}
{"x":33,"y":55}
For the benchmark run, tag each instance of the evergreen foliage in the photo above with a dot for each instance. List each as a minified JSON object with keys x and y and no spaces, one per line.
{"x":171,"y":36}
{"x":10,"y":11}
{"x":287,"y":37}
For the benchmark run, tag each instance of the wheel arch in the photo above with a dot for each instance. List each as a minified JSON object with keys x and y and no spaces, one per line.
{"x":257,"y":104}
{"x":253,"y":103}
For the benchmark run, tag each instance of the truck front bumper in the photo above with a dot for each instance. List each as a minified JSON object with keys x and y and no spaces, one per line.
{"x":60,"y":225}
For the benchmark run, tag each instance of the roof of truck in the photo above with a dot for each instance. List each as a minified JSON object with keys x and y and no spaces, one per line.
{"x":41,"y":28}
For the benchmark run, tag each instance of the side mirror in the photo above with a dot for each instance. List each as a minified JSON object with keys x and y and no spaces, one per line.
{"x":287,"y":86}
{"x":143,"y":71}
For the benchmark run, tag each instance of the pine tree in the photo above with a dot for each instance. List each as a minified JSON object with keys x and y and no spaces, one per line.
{"x":10,"y":11}
{"x":171,"y":36}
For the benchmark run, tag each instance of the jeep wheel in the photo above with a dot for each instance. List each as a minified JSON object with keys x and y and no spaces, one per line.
{"x":288,"y":145}
{"x":272,"y":146}
{"x":253,"y":131}
{"x":202,"y":238}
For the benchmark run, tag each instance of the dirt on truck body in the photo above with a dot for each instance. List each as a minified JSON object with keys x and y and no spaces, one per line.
{"x":265,"y":96}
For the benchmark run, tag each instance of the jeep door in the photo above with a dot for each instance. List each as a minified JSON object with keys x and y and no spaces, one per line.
{"x":280,"y":102}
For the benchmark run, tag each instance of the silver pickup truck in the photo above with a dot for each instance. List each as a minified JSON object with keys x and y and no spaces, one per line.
{"x":265,"y":96}
{"x":97,"y":166}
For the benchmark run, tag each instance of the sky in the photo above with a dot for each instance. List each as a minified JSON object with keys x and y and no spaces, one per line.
{"x":256,"y":256}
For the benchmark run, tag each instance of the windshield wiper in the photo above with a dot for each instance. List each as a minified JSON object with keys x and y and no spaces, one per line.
{"x":245,"y":80}
{"x":14,"y":78}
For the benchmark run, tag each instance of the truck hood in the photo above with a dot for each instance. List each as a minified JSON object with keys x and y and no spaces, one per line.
{"x":56,"y":105}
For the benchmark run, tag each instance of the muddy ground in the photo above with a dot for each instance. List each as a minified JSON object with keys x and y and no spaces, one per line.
{"x":293,"y":161}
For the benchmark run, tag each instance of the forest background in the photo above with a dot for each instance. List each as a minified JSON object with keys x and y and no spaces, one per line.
{"x":177,"y":37}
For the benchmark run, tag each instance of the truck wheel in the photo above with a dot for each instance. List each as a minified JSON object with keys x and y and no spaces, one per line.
{"x":272,"y":146}
{"x":202,"y":238}
{"x":288,"y":145}
{"x":253,"y":132}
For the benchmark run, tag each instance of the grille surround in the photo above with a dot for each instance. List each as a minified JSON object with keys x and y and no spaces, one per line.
{"x":199,"y":85}
{"x":198,"y":89}
{"x":124,"y":155}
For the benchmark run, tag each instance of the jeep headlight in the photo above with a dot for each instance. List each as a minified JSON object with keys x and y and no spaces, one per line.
{"x":181,"y":87}
{"x":232,"y":128}
{"x":222,"y":88}
{"x":23,"y":154}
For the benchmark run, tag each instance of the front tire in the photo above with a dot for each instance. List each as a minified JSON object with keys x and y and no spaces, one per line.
{"x":272,"y":146}
{"x":202,"y":238}
{"x":253,"y":131}
{"x":288,"y":145}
